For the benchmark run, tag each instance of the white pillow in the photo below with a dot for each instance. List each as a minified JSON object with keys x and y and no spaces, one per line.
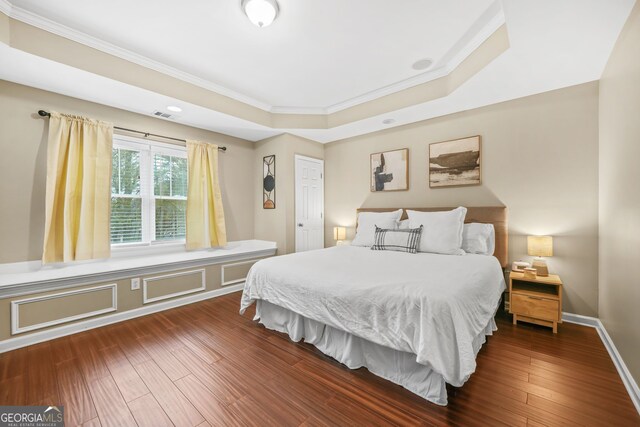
{"x":442,"y":232}
{"x":367,"y":222}
{"x":478,"y":238}
{"x":403,"y":225}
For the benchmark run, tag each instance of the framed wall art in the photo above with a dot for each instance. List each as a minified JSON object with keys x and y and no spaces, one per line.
{"x":454,"y":163}
{"x":390,"y":170}
{"x":269,"y":182}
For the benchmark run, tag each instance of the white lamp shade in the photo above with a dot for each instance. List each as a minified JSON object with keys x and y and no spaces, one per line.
{"x":339,"y":233}
{"x":260,"y":12}
{"x":540,"y":245}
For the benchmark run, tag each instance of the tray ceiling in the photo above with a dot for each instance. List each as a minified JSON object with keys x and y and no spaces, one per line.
{"x":317,"y":56}
{"x":345,"y":64}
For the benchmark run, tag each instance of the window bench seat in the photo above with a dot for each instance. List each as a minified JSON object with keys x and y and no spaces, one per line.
{"x":29,"y":277}
{"x":39,"y":303}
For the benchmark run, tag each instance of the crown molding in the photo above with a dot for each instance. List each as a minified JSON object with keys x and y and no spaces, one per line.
{"x":5,"y":7}
{"x":487,"y":24}
{"x":95,"y":43}
{"x":299,"y":110}
{"x":484,"y":26}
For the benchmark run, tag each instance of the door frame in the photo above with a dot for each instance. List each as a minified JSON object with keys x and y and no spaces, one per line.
{"x":295,"y":192}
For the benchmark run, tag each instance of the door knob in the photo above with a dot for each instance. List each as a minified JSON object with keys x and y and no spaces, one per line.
{"x":299,"y":224}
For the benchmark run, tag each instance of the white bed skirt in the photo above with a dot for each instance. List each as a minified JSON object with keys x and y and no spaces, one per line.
{"x":396,"y":366}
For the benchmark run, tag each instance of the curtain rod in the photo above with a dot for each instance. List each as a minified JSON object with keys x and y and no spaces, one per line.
{"x":43,"y":113}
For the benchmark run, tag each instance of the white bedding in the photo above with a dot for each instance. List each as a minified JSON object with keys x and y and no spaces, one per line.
{"x":433,"y":306}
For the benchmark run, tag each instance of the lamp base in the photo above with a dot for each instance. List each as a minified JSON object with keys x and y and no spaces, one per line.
{"x":541,"y":267}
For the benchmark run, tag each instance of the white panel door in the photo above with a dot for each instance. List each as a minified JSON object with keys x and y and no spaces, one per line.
{"x":309,"y":184}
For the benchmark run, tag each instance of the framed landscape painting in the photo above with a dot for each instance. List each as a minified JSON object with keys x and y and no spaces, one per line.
{"x":390,"y":170}
{"x":454,"y":163}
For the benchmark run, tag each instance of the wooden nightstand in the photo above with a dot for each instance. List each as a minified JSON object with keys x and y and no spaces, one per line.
{"x":536,"y":300}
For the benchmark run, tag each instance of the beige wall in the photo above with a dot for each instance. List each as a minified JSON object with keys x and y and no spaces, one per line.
{"x":279,"y":224}
{"x":271,"y":224}
{"x":540,"y":159}
{"x":619,"y":195}
{"x":23,"y":137}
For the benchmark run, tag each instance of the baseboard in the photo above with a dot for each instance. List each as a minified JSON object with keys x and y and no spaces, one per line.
{"x":581,"y":320}
{"x":627,"y":379}
{"x":49,"y":334}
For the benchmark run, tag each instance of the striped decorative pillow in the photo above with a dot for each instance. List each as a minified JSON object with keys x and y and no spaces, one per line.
{"x":407,"y":240}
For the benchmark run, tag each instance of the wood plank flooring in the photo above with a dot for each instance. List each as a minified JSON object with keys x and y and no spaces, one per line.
{"x":204,"y":364}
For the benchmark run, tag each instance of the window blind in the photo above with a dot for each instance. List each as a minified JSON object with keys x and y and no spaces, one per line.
{"x":126,"y":200}
{"x":170,"y":193}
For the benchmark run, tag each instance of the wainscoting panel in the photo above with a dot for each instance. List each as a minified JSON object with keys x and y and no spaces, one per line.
{"x":235,"y":272}
{"x":38,"y":312}
{"x":173,"y":285}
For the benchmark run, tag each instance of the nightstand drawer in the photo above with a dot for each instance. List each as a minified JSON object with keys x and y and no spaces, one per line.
{"x":537,"y":307}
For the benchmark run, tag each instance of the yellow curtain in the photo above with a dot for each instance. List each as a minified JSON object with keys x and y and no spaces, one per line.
{"x":205,"y":215}
{"x":78,"y":192}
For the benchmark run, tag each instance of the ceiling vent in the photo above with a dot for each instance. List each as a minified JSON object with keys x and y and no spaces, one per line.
{"x":164,"y":115}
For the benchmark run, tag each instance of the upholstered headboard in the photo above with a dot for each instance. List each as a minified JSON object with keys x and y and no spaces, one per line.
{"x":496,"y":215}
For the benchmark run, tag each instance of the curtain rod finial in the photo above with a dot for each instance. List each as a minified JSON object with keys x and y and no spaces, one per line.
{"x":43,"y":113}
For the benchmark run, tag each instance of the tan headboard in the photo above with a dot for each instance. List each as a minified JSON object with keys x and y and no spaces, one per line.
{"x":496,"y":215}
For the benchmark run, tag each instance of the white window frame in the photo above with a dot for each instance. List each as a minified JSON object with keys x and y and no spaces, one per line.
{"x":147,"y":151}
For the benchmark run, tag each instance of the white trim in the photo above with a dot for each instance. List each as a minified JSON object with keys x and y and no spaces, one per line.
{"x":37,"y":337}
{"x":627,"y":379}
{"x":145,"y":285}
{"x":15,"y":308}
{"x":579,"y":319}
{"x":282,"y":109}
{"x":5,"y":7}
{"x":231,"y":282}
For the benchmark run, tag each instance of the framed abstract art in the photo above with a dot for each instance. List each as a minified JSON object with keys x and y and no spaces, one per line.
{"x":390,"y":170}
{"x":454,"y":163}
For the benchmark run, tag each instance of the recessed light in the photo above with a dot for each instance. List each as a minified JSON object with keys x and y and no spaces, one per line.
{"x":422,"y":64}
{"x":174,"y":108}
{"x":388,"y":121}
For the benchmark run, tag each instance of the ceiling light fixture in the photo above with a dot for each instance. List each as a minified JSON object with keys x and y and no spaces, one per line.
{"x":422,"y":64}
{"x":174,"y":108}
{"x":260,"y":12}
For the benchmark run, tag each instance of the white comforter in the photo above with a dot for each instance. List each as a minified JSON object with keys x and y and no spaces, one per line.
{"x":427,"y":304}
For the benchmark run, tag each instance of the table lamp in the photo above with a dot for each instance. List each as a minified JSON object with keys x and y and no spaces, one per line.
{"x":540,"y":246}
{"x":339,"y":234}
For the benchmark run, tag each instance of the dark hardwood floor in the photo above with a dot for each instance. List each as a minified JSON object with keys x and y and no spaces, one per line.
{"x":204,"y":364}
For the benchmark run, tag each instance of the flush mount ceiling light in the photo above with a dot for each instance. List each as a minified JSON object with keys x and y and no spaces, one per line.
{"x":260,"y":12}
{"x":422,"y":64}
{"x":174,"y":108}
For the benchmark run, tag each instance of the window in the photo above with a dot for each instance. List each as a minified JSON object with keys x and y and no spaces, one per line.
{"x":148,"y":192}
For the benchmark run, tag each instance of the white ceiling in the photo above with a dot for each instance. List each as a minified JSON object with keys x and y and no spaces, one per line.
{"x":316,"y":55}
{"x":553,"y":44}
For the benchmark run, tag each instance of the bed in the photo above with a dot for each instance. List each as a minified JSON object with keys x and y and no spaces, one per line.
{"x":417,"y":320}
